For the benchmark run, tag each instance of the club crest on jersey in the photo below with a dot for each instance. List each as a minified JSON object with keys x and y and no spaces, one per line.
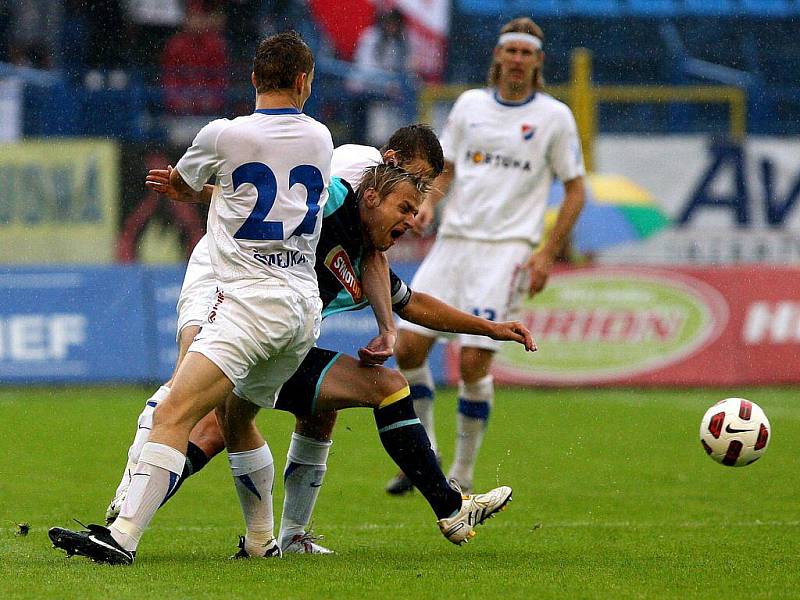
{"x":339,"y":264}
{"x":528,"y":131}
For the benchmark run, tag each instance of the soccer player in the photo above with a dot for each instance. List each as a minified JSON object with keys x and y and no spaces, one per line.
{"x":328,"y":381}
{"x":503,"y":145}
{"x":273,"y":170}
{"x":415,"y":148}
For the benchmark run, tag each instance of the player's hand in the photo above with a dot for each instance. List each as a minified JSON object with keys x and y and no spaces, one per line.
{"x":424,"y":218}
{"x":514,"y":331}
{"x":539,"y":266}
{"x":158,"y":181}
{"x":379,"y":350}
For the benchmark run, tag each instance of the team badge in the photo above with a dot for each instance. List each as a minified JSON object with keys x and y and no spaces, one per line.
{"x":528,"y":131}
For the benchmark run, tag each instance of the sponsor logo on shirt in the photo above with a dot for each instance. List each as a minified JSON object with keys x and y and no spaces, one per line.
{"x":528,"y":131}
{"x":498,"y":160}
{"x":339,"y":264}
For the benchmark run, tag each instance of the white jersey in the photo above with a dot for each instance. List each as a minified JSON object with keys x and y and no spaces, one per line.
{"x":199,"y":283}
{"x":505,"y":158}
{"x":272,"y":170}
{"x":350,"y":160}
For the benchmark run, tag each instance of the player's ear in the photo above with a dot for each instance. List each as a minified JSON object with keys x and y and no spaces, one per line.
{"x":253,"y":80}
{"x":390,"y":157}
{"x":371,"y":198}
{"x":300,"y":82}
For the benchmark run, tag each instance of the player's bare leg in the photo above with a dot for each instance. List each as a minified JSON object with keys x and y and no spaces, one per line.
{"x":412,"y":350}
{"x":145,"y":423}
{"x":348,"y":384}
{"x":253,"y":471}
{"x":475,"y":399}
{"x":198,"y":387}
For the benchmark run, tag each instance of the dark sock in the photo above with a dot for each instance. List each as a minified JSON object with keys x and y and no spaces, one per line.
{"x":196,"y":459}
{"x":405,"y":440}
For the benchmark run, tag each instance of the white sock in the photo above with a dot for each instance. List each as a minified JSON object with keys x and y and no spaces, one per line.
{"x":420,"y":381}
{"x":254,"y":474}
{"x":143,"y":427}
{"x":474,"y":405}
{"x":302,"y":480}
{"x":155,"y":477}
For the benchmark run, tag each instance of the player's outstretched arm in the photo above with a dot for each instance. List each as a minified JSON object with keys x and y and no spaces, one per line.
{"x":375,"y":279}
{"x":429,"y":312}
{"x":160,"y":181}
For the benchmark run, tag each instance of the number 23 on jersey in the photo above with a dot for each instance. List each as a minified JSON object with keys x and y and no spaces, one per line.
{"x":256,"y":227}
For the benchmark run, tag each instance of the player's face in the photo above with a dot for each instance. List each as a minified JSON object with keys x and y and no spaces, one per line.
{"x":517,"y":62}
{"x":387,"y":219}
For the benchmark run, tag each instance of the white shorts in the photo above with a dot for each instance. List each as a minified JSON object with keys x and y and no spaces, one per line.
{"x":258,"y":335}
{"x":198,"y":289}
{"x":486,"y":279}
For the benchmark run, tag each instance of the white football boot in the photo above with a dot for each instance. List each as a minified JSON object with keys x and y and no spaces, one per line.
{"x":475,"y":509}
{"x":112,"y":512}
{"x":305,"y":543}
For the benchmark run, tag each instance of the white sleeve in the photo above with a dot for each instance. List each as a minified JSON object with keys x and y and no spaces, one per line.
{"x":565,"y":155}
{"x":201,"y":161}
{"x":452,"y":133}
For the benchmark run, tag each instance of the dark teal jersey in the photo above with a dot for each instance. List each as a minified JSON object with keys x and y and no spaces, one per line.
{"x":339,"y":253}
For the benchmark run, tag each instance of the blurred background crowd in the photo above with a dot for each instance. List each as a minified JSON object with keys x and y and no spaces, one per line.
{"x":157,"y":62}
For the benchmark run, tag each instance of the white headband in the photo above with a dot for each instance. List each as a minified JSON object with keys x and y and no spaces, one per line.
{"x":516,"y":36}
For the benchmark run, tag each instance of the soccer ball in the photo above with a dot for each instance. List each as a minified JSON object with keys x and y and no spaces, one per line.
{"x":735,"y":432}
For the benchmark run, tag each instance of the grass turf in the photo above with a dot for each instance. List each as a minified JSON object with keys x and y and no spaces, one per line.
{"x":613,"y":497}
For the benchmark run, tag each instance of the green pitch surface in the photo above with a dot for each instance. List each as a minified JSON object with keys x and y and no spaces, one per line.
{"x":613,"y":497}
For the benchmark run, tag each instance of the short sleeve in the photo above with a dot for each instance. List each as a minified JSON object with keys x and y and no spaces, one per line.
{"x":565,"y":155}
{"x":338,"y":190}
{"x":201,"y":161}
{"x":452,"y":133}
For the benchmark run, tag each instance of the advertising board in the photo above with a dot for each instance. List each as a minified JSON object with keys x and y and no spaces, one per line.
{"x":652,"y":326}
{"x":58,"y":201}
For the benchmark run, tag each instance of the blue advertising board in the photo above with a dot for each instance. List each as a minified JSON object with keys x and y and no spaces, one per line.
{"x":117,"y":323}
{"x":164,"y":284}
{"x":74,"y":324}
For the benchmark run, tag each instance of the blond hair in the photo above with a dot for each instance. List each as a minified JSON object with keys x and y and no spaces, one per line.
{"x":384,"y":178}
{"x":518,"y":25}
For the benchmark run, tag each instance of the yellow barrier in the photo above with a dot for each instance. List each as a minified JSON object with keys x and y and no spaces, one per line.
{"x":583,"y":97}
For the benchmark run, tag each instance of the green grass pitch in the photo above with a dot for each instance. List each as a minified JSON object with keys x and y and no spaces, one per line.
{"x":613,"y":498}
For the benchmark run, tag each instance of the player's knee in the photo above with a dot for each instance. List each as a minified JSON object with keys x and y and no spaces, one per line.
{"x":390,"y":384}
{"x":168,"y":415}
{"x":237,"y":415}
{"x":317,"y":427}
{"x":475,"y":364}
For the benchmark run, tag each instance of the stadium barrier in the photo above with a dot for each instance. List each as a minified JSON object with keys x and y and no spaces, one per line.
{"x":100,"y":324}
{"x":594,"y":326}
{"x":612,"y":326}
